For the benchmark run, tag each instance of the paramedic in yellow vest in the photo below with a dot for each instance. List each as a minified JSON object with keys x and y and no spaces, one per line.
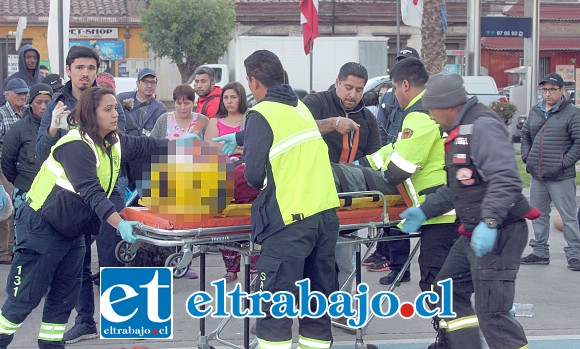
{"x":294,"y":218}
{"x":82,"y":167}
{"x":417,"y":160}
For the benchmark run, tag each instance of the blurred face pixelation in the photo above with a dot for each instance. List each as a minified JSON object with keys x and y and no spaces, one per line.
{"x":107,"y":115}
{"x":82,"y":72}
{"x":191,"y":182}
{"x":350,"y":91}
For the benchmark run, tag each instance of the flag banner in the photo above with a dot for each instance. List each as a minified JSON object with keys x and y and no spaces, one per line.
{"x":54,"y":48}
{"x":412,"y":12}
{"x":309,"y":22}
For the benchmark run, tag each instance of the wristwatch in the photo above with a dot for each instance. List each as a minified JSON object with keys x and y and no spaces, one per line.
{"x":490,"y":222}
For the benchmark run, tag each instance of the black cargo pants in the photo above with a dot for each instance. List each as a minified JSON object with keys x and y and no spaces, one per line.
{"x":302,"y":250}
{"x":492,"y":278}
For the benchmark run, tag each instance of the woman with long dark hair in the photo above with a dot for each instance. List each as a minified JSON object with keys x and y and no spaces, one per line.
{"x":230,"y":114}
{"x":229,"y":119}
{"x":68,"y":198}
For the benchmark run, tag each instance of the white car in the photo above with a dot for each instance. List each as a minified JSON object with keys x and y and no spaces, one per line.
{"x":125,"y":84}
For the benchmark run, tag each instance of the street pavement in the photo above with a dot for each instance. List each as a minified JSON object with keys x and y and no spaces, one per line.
{"x":553,"y":289}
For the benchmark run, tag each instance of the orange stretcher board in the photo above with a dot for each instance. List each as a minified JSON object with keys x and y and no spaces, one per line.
{"x":358,"y":210}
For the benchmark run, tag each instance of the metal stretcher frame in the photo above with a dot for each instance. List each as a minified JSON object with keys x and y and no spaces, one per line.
{"x":205,"y":236}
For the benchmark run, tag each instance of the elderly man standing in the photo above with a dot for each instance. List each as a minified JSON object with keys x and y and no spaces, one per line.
{"x":485,"y":188}
{"x":16,"y":94}
{"x":550,"y":149}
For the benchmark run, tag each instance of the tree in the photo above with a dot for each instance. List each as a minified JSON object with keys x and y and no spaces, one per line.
{"x":433,"y":37}
{"x":189,"y":32}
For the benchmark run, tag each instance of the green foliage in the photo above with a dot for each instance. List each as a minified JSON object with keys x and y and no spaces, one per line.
{"x":189,"y":32}
{"x":526,"y":177}
{"x":505,"y":111}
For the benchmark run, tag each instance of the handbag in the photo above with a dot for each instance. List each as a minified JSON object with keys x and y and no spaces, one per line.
{"x":68,"y":214}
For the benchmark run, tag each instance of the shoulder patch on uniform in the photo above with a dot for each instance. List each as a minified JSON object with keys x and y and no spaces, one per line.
{"x":407,"y":133}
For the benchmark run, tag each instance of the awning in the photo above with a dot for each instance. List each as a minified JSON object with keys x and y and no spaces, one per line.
{"x":517,"y":44}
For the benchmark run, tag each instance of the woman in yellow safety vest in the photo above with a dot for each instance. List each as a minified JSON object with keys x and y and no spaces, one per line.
{"x":68,"y":197}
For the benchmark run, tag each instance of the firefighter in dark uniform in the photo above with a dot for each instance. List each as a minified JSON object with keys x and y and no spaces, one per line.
{"x":294,"y":218}
{"x":417,"y":160}
{"x":484,"y":187}
{"x":68,"y":196}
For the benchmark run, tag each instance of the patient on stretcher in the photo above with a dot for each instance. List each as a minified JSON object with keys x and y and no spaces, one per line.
{"x":352,"y":178}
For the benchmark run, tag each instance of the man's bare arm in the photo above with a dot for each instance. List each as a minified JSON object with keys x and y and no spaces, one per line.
{"x":337,"y":123}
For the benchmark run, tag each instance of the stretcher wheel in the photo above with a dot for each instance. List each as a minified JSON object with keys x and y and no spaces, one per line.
{"x":173,"y":261}
{"x":122,"y":252}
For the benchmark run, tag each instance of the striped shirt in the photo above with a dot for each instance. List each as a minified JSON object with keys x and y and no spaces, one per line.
{"x":7,"y":118}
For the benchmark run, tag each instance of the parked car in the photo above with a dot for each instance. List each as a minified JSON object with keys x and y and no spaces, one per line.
{"x":481,"y":86}
{"x":301,"y":93}
{"x":376,"y":82}
{"x":125,"y":84}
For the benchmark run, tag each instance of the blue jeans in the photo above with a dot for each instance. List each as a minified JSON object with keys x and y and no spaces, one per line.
{"x":563,"y":195}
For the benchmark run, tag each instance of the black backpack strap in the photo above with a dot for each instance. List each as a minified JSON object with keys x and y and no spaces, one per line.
{"x":204,"y":108}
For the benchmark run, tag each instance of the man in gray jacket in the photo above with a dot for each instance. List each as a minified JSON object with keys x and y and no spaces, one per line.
{"x":550,"y":149}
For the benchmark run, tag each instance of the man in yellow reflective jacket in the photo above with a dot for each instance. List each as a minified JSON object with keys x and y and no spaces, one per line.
{"x":417,"y":161}
{"x":294,"y":218}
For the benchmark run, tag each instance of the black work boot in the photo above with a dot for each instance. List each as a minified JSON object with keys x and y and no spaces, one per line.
{"x":441,"y":341}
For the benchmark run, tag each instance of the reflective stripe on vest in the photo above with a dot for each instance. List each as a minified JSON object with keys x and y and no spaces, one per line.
{"x":377,"y":160}
{"x":52,"y":173}
{"x":403,"y":164}
{"x":300,"y":168}
{"x":292,"y":141}
{"x":415,"y":197}
{"x":58,"y":171}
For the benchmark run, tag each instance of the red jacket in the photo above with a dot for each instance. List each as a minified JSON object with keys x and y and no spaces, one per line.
{"x":213,"y":102}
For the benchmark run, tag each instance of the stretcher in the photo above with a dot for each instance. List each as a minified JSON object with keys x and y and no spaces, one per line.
{"x":370,"y":210}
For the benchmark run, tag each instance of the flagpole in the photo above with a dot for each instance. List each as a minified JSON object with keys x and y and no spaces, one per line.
{"x":60,"y":38}
{"x":311,"y":52}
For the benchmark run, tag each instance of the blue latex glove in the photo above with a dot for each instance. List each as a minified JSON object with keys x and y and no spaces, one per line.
{"x":3,"y":199}
{"x":483,"y":239}
{"x":229,"y":143}
{"x":125,"y":228}
{"x":191,"y":136}
{"x":414,"y":219}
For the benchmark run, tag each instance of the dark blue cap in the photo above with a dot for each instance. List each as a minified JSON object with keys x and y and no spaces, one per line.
{"x":144,"y":72}
{"x":17,"y":85}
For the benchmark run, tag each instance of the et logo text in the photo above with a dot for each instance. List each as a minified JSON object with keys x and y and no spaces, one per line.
{"x":136,"y":303}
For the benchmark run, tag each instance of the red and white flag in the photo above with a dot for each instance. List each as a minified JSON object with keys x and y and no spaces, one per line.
{"x":412,"y":12}
{"x":309,"y":22}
